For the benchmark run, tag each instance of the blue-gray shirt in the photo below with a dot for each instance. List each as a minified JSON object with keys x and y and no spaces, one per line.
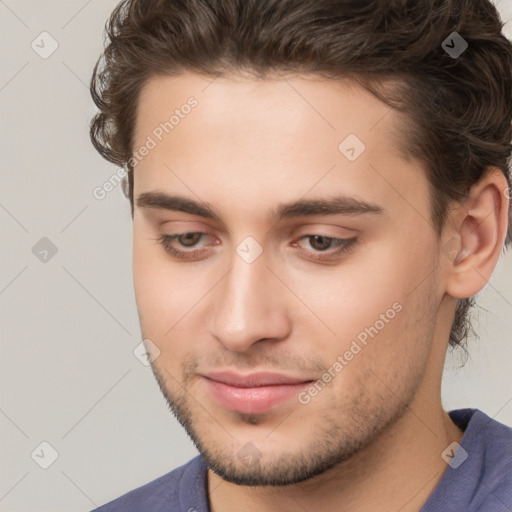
{"x":478,"y":477}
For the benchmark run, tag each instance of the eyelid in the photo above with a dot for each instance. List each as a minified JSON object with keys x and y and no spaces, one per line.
{"x":327,"y":230}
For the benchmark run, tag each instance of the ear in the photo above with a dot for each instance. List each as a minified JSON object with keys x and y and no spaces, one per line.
{"x":474,"y":239}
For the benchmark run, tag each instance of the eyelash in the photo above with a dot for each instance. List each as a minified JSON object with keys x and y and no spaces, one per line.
{"x":344,"y":246}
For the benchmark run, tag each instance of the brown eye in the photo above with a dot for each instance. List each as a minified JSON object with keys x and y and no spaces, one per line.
{"x":193,"y":241}
{"x":189,"y":239}
{"x":319,"y":242}
{"x":321,"y":247}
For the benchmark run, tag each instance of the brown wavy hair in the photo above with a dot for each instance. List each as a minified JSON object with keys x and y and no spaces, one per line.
{"x":458,"y":110}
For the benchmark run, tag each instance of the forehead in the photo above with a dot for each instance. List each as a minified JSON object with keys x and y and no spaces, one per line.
{"x":278,"y":101}
{"x":280,"y":136}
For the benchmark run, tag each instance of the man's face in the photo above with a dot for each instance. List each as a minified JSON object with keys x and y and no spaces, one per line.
{"x":344,"y":303}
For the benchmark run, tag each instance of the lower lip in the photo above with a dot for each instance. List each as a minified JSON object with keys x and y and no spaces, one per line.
{"x":252,"y":400}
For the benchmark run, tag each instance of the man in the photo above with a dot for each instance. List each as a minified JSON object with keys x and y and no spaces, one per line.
{"x":318,"y":189}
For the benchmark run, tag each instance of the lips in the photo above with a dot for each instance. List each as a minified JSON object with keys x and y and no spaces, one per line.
{"x":253,"y":393}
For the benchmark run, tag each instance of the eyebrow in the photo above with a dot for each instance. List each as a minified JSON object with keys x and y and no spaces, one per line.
{"x":341,"y":205}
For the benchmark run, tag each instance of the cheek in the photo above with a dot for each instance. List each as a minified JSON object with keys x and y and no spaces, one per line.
{"x":169,"y":295}
{"x":163,"y":300}
{"x":158,"y":289}
{"x":375,"y":299}
{"x":351,"y":296}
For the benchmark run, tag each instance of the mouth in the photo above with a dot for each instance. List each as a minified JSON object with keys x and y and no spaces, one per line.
{"x":254,"y":393}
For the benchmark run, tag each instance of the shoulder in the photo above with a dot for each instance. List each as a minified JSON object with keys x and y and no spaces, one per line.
{"x":480,"y":475}
{"x":489,"y":440}
{"x":491,"y":444}
{"x":167,"y":493}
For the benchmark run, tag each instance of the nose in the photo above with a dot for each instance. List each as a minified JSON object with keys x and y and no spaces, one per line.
{"x":250,"y":306}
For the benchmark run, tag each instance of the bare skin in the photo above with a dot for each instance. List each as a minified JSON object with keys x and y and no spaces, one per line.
{"x":372,"y":438}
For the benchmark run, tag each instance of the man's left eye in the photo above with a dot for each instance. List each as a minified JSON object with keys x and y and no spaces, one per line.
{"x":321,"y":244}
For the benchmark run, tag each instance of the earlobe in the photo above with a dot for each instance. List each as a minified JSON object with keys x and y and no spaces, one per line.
{"x":478,"y":233}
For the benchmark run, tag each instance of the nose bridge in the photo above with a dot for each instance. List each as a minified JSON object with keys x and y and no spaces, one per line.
{"x":247,"y":308}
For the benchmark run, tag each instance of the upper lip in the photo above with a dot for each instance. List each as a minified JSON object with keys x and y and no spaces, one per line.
{"x":253,"y":379}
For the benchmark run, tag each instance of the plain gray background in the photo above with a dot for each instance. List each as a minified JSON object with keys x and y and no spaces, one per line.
{"x":69,"y":376}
